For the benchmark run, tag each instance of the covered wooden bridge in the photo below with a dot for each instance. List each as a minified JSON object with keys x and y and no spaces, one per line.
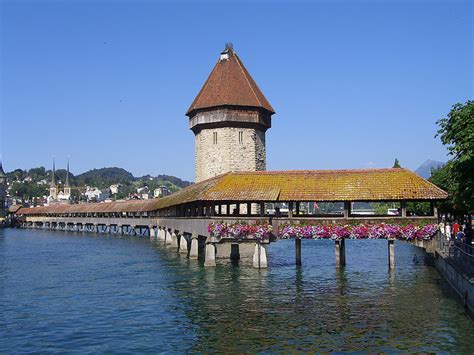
{"x":182,"y":219}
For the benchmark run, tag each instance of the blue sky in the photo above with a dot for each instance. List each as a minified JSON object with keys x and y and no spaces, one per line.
{"x":354,"y":83}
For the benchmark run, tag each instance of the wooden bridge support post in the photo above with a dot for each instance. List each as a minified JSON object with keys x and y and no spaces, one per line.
{"x":183,"y":244}
{"x":210,"y":259}
{"x":298,"y":251}
{"x":193,"y":252}
{"x":151,"y":231}
{"x":260,"y":256}
{"x":168,"y":240}
{"x":340,"y":253}
{"x":391,"y":254}
{"x":403,"y":208}
{"x":174,"y":239}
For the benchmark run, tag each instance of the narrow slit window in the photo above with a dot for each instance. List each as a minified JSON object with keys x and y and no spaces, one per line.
{"x":214,"y":136}
{"x":241,"y":137}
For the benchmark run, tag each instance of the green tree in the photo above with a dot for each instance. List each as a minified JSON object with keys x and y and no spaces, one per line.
{"x":396,"y":164}
{"x":456,"y":131}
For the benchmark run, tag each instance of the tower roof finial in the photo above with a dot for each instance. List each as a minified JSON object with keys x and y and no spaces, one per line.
{"x":229,"y":47}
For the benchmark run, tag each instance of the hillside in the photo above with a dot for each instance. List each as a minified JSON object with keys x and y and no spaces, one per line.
{"x":104,"y":176}
{"x":35,"y":182}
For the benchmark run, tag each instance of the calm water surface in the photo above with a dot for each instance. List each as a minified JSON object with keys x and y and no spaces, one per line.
{"x":81,"y":293}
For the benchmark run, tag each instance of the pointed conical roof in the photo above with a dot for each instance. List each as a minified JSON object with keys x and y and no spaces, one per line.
{"x":67,"y":174}
{"x":53,"y":175}
{"x":229,"y":84}
{"x":2,"y":173}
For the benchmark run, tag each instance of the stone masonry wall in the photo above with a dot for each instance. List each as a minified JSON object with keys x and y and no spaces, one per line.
{"x":228,"y":154}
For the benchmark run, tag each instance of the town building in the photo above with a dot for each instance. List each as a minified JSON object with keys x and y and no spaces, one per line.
{"x":161,"y":191}
{"x":93,"y":194}
{"x":115,"y":188}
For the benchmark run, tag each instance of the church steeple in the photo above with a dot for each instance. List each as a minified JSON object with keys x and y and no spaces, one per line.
{"x":67,"y":185}
{"x":53,"y":187}
{"x":67,"y":174}
{"x":53,"y":175}
{"x":3,"y":176}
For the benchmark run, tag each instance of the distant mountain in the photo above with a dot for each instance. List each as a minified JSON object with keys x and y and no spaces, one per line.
{"x":424,"y":170}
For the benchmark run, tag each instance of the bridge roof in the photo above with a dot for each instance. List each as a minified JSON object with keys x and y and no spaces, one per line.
{"x":306,"y":185}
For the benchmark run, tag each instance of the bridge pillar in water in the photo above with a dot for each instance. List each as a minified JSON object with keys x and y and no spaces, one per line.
{"x":193,"y":252}
{"x":340,"y":253}
{"x":298,"y":251}
{"x":174,"y":239}
{"x":210,"y":259}
{"x":260,"y":256}
{"x":168,"y":240}
{"x":391,"y":254}
{"x":151,"y":231}
{"x":183,"y":244}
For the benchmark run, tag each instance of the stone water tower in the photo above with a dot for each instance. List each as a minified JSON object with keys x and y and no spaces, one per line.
{"x":229,"y":118}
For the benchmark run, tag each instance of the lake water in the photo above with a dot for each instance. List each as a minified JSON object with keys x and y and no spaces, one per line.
{"x":73,"y":292}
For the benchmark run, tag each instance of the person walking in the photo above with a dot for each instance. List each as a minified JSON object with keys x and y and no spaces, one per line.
{"x":456,"y":228}
{"x":448,"y":231}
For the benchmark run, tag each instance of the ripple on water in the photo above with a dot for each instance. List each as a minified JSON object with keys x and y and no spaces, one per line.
{"x":87,"y":293}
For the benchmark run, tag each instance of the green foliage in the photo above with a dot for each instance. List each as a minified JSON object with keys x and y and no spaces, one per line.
{"x":17,"y":175}
{"x":457,"y":130}
{"x":104,"y":177}
{"x":418,"y":208}
{"x":396,"y":164}
{"x":457,"y":133}
{"x":38,"y":174}
{"x":381,"y":208}
{"x":27,"y":190}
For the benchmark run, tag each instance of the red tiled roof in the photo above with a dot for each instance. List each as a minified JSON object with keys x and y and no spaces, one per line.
{"x":298,"y":185}
{"x":230,"y":84}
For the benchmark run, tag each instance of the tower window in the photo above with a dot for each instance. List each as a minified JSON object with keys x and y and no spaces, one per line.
{"x":214,"y":137}
{"x":241,"y":137}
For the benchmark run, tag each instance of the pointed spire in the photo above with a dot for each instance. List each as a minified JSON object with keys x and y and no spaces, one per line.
{"x":53,"y":175}
{"x":2,"y":173}
{"x":67,"y":174}
{"x":229,"y":84}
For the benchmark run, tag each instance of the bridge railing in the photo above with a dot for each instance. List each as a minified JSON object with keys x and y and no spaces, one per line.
{"x":457,"y":253}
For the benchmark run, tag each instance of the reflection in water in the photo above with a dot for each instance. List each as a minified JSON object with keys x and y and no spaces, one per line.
{"x":69,"y":291}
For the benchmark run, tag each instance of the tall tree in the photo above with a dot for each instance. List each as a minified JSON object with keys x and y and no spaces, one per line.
{"x":456,"y":131}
